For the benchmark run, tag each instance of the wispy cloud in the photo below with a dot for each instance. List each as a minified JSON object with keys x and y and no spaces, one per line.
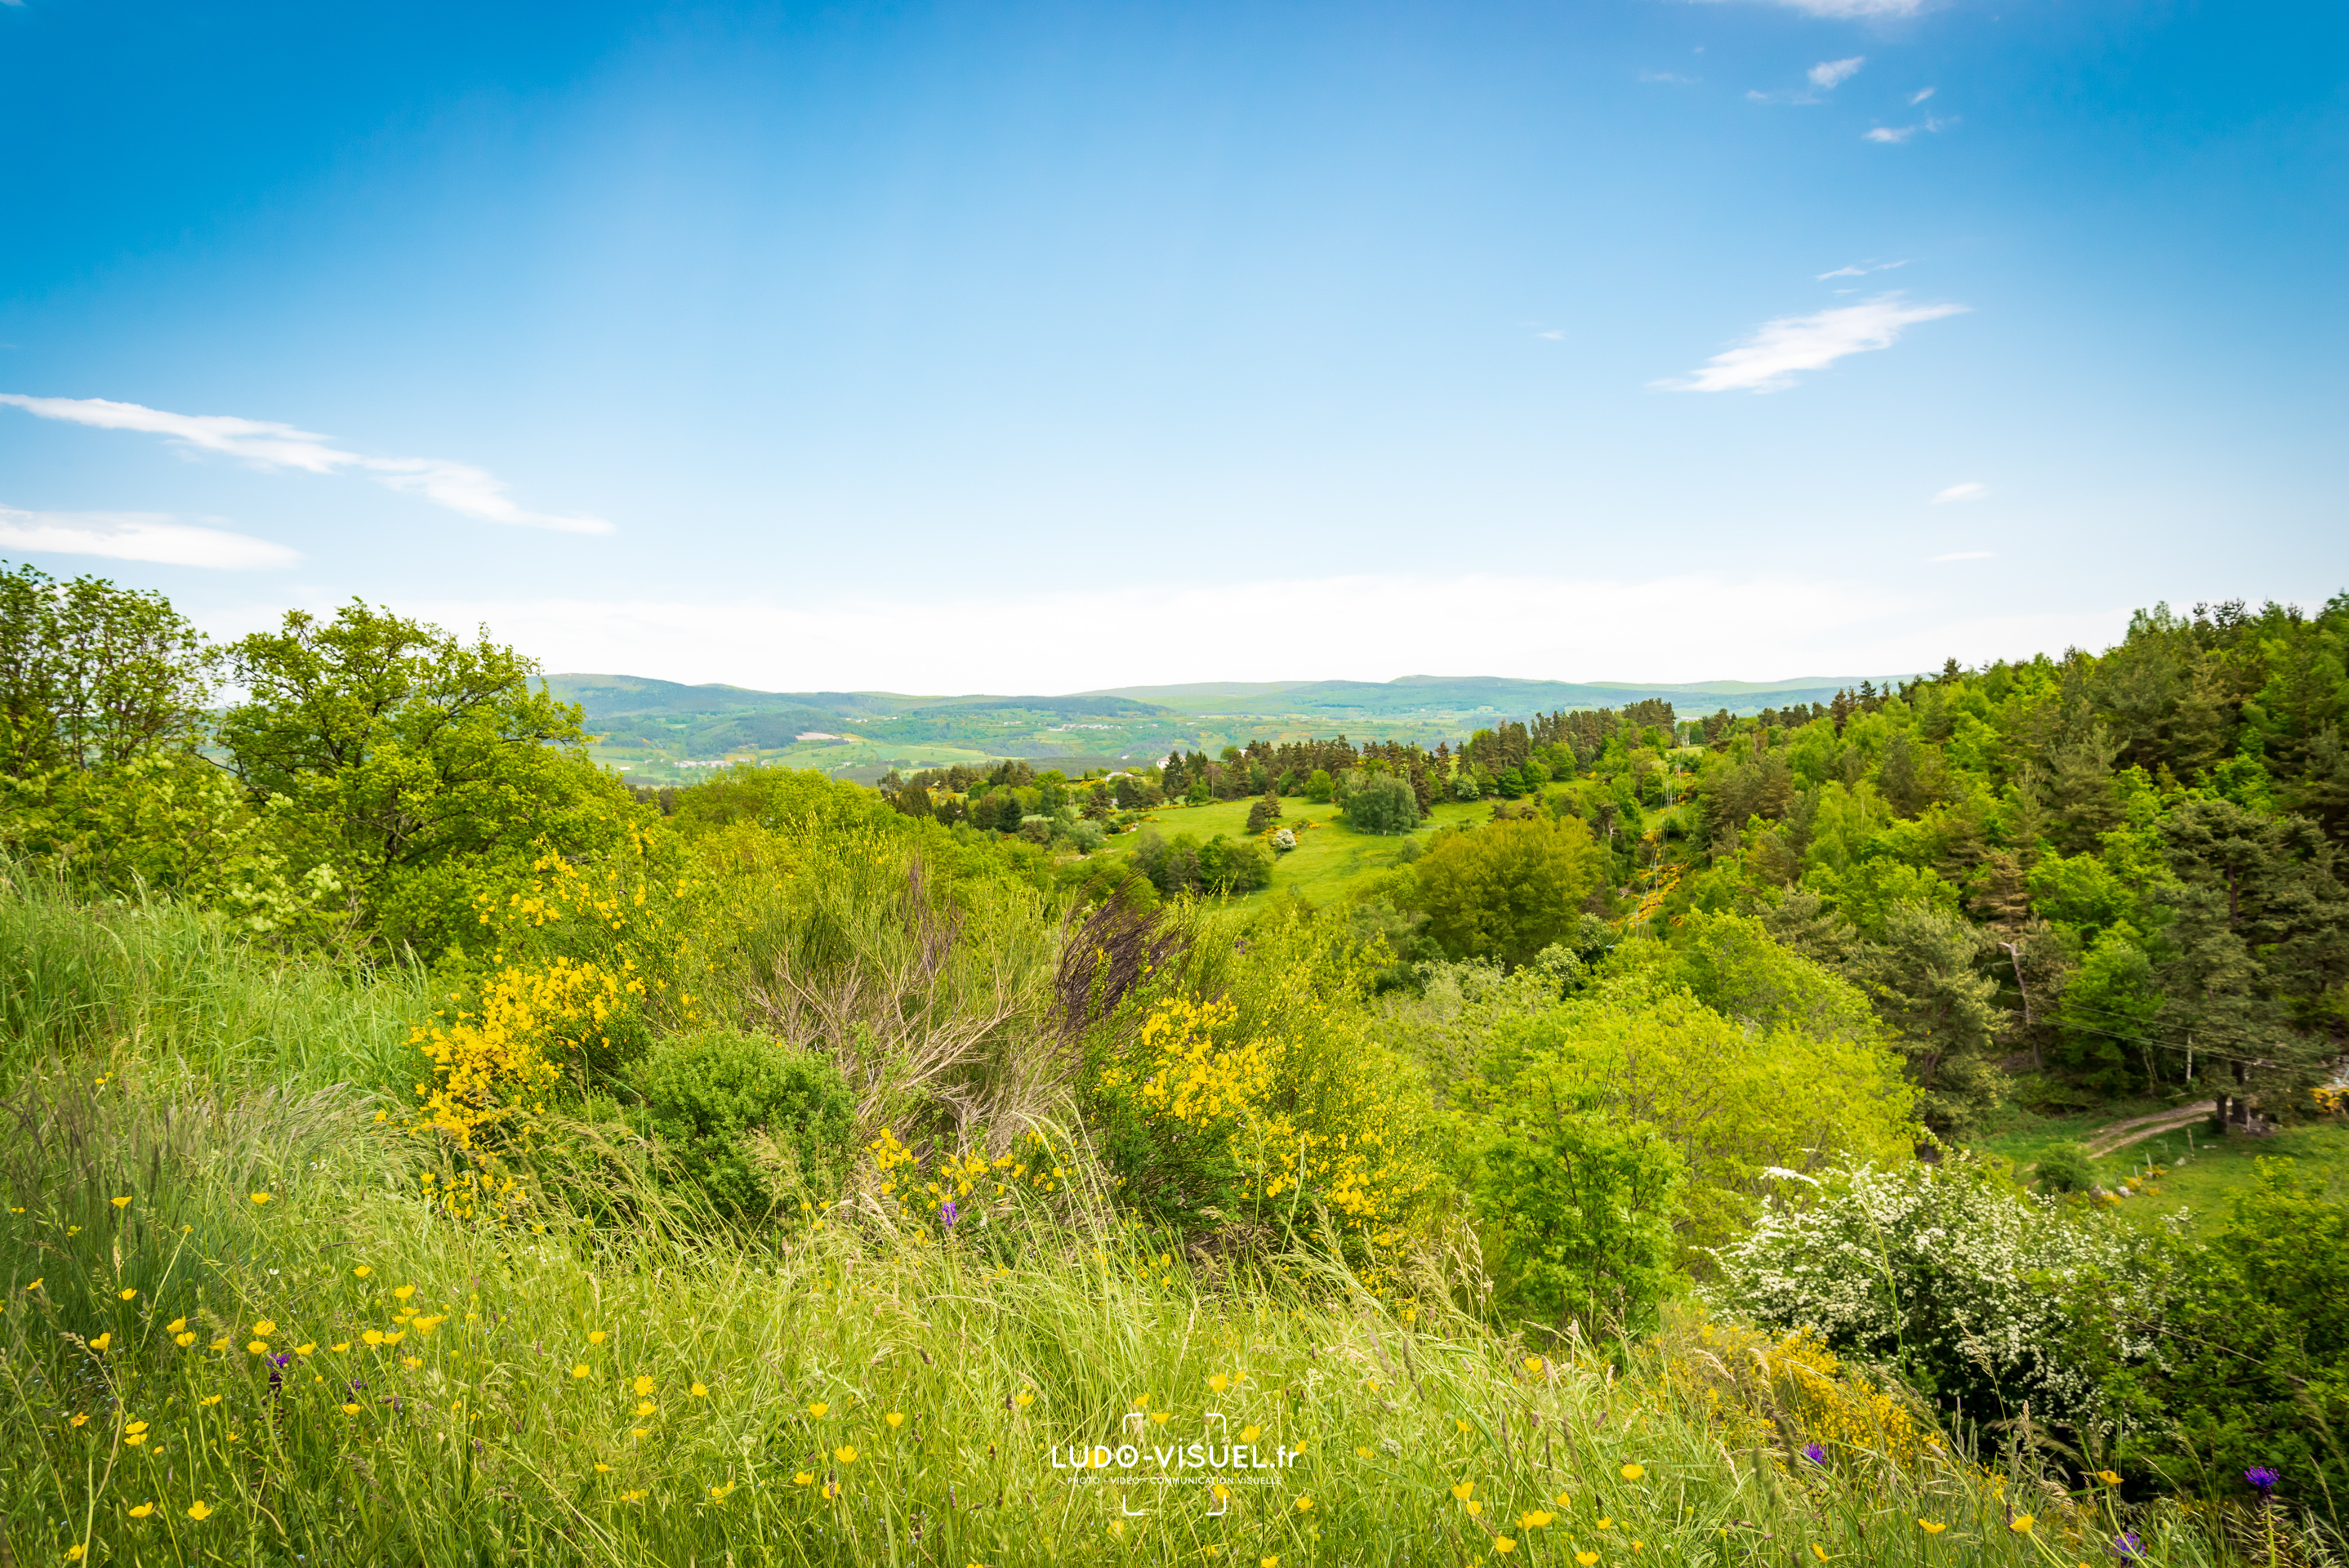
{"x":1899,"y":133}
{"x":460,"y":487}
{"x":1769,"y":360}
{"x":1828,"y":75}
{"x":1962,"y":555}
{"x":1918,"y":97}
{"x":1861,"y":269}
{"x":137,"y":536}
{"x":1973,"y":489}
{"x":1854,"y":10}
{"x":1672,"y":76}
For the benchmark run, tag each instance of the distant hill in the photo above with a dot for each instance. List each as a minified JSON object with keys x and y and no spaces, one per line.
{"x":1501,"y":696}
{"x":655,"y":727}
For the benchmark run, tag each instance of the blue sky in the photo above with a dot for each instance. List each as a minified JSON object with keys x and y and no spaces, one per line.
{"x":1044,"y":347}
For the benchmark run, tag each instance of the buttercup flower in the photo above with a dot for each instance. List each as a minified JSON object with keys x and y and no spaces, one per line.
{"x":894,"y":1417}
{"x":1633,"y":1472}
{"x":1504,"y":1546}
{"x":1930,"y":1527}
{"x":200,"y":1510}
{"x":128,"y":1291}
{"x":2019,"y":1524}
{"x":142,"y":1510}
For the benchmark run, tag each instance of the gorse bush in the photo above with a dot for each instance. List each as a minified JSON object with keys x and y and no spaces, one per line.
{"x":1236,"y":1081}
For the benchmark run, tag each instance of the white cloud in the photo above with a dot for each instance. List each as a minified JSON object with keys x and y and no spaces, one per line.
{"x":1768,"y":361}
{"x":1854,"y":10}
{"x":1828,"y":75}
{"x":1860,"y":270}
{"x":1899,"y":133}
{"x":1672,"y":76}
{"x":1919,"y":98}
{"x":1973,"y":489}
{"x":1963,"y":556}
{"x":137,"y":536}
{"x":460,"y":487}
{"x":1551,"y":628}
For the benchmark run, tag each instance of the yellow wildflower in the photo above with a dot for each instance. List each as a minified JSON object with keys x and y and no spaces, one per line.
{"x":200,"y":1510}
{"x":845,"y":1454}
{"x":128,"y":1292}
{"x":894,"y":1417}
{"x":102,"y":1341}
{"x":1633,"y":1472}
{"x":142,"y":1510}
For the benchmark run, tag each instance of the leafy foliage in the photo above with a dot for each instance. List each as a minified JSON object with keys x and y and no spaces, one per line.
{"x":756,"y":1126}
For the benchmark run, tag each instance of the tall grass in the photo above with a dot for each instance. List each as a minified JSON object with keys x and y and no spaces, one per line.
{"x":168,"y":983}
{"x":278,"y":1347}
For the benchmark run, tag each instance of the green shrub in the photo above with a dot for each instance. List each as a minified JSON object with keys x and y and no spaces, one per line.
{"x":1383,"y":803}
{"x":1579,"y":1206}
{"x":754,"y":1124}
{"x":2065,"y":1168}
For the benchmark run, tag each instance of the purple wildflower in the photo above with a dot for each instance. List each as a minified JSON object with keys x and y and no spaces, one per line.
{"x":1814,"y":1453}
{"x":949,"y":1213}
{"x":2130,"y":1544}
{"x":2261,"y":1477}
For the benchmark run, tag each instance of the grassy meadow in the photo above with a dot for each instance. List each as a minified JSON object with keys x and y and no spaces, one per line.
{"x":1331,"y":861}
{"x":245,"y":1323}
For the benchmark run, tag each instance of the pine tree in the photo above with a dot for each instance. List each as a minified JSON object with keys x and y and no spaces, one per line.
{"x":1264,"y":813}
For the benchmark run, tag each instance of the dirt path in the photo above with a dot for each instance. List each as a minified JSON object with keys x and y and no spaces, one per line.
{"x":2121,"y":1134}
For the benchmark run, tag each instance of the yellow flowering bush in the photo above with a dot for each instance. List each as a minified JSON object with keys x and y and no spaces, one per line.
{"x":1791,"y":1391}
{"x":580,"y":957}
{"x":1265,"y":1097}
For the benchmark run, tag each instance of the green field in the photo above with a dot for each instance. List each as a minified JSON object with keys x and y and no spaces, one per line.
{"x":2202,"y":1174}
{"x":1331,"y":859}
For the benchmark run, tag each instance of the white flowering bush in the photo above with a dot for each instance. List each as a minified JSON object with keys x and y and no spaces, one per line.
{"x":1946,"y":1270}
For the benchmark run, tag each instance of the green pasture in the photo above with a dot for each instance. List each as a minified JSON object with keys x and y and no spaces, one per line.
{"x":2201,"y":1174}
{"x":1330,"y":860}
